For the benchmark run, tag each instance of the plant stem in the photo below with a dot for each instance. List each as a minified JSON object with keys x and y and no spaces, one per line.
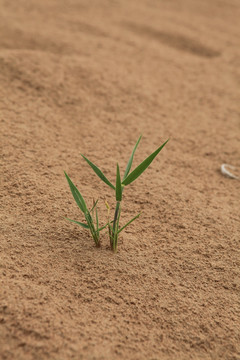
{"x":94,"y":233}
{"x":115,"y":227}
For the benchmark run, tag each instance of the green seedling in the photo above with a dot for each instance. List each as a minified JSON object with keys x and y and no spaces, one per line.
{"x":91,"y":216}
{"x":128,"y":177}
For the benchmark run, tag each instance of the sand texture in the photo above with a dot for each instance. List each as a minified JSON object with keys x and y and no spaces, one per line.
{"x":89,"y":77}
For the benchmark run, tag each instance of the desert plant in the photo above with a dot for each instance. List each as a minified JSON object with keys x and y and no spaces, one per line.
{"x":91,"y":216}
{"x":127,"y":179}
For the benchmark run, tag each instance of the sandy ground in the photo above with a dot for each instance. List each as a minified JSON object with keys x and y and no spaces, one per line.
{"x":89,"y":77}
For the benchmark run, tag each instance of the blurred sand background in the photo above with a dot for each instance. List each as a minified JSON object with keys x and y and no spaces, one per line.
{"x":90,"y":77}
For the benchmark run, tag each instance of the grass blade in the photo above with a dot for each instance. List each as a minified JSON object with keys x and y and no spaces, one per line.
{"x":129,"y":164}
{"x":99,"y":173}
{"x":97,"y":222}
{"x":104,"y":227}
{"x":94,"y":204}
{"x":76,"y":194}
{"x":79,"y":223}
{"x":118,"y":185}
{"x":135,"y":217}
{"x":143,"y":166}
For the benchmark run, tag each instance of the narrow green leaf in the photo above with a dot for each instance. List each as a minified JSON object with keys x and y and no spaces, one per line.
{"x":103,"y":227}
{"x":79,"y":223}
{"x":143,"y":166}
{"x":99,"y":173}
{"x":135,"y":217}
{"x":118,"y":185}
{"x":76,"y":194}
{"x":94,"y":204}
{"x":97,"y":222}
{"x":129,"y":164}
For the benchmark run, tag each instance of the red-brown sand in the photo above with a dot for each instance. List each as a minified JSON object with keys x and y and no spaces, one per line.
{"x":89,"y":77}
